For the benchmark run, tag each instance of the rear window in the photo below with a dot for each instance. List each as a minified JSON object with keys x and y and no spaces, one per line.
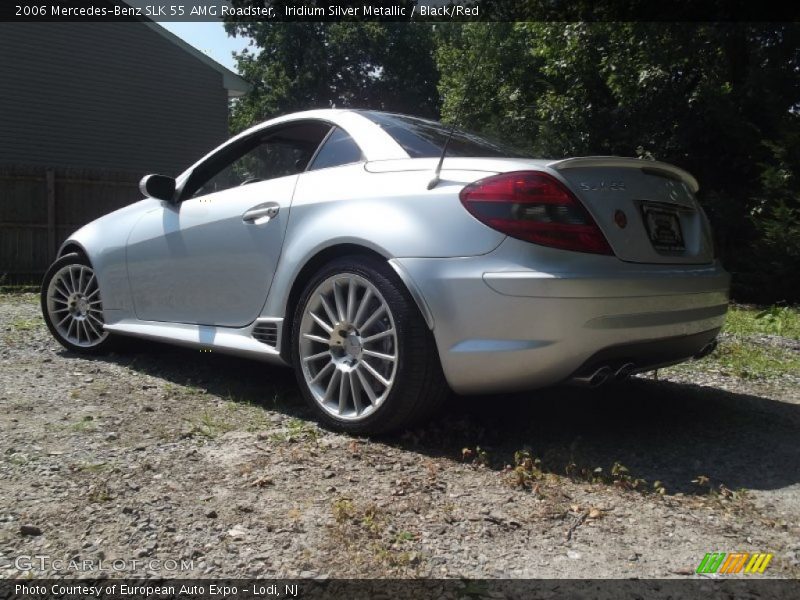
{"x":338,"y":149}
{"x":422,"y":138}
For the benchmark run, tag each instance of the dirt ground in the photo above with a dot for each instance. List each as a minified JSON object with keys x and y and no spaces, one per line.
{"x":159,"y":456}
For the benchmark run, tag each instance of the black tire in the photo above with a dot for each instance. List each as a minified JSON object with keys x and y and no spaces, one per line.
{"x":419,"y":387}
{"x":106,"y":344}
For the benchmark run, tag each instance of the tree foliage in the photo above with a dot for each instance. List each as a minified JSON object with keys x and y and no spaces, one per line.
{"x":298,"y":66}
{"x":720,"y":100}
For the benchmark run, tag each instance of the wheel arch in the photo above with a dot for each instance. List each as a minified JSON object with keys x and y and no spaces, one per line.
{"x":70,"y":256}
{"x":323,"y":257}
{"x":71,"y":246}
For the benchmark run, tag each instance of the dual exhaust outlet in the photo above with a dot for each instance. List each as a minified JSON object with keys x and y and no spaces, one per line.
{"x":607,"y":373}
{"x":604,"y":375}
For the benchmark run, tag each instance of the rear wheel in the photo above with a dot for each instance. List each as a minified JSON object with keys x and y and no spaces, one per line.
{"x":72,"y":305}
{"x":364,"y":358}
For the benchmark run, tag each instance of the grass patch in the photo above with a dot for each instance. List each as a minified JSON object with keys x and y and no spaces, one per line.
{"x":771,"y":320}
{"x":85,"y":425}
{"x":741,"y":354}
{"x":9,"y":290}
{"x":18,"y":459}
{"x":749,"y":361}
{"x":530,"y":472}
{"x":26,"y":324}
{"x":209,"y":426}
{"x":99,"y":493}
{"x":363,"y":530}
{"x":296,"y":430}
{"x":250,"y":416}
{"x":405,"y":536}
{"x":738,"y":357}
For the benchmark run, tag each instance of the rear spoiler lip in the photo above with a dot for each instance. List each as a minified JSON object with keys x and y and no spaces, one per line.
{"x":619,"y":161}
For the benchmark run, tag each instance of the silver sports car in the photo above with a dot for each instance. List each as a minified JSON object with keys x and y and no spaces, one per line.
{"x":338,"y":242}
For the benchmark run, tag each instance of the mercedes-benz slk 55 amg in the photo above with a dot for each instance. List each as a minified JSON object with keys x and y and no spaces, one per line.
{"x":338,"y":242}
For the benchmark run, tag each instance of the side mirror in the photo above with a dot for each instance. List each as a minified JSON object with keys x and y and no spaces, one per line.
{"x":159,"y":187}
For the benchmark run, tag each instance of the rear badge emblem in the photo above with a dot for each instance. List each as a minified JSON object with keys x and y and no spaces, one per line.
{"x":621,"y":219}
{"x":602,"y":186}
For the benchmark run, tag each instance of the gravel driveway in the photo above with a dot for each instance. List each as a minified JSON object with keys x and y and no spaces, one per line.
{"x":161,"y":455}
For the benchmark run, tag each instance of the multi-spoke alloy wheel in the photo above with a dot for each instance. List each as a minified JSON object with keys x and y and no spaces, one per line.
{"x":72,"y":305}
{"x":348,"y":346}
{"x":365,"y":360}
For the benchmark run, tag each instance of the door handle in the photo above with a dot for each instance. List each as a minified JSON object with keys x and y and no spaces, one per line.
{"x":261,"y":213}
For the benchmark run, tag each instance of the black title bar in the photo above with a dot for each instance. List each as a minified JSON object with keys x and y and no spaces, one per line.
{"x":416,"y":589}
{"x":399,"y":10}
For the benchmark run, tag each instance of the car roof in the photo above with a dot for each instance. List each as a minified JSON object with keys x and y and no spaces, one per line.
{"x":374,"y":142}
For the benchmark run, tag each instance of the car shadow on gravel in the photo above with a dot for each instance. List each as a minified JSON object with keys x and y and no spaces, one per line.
{"x":229,"y":377}
{"x":661,"y":431}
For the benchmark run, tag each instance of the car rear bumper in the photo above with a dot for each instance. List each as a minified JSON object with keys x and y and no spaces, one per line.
{"x":502,"y":325}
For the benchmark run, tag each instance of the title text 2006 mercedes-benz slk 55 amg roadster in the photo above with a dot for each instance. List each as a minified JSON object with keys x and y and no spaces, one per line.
{"x":337,"y":242}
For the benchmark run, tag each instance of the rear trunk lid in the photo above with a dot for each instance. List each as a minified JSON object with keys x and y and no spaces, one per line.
{"x":646,"y":209}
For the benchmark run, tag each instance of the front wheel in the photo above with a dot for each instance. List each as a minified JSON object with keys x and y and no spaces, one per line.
{"x":72,"y":306}
{"x":364,"y":358}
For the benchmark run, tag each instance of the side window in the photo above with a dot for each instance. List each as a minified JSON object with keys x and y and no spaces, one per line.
{"x":274,"y":153}
{"x":267,"y":160}
{"x":338,"y":149}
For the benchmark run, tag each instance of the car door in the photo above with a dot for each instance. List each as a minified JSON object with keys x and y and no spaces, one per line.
{"x":209,"y":257}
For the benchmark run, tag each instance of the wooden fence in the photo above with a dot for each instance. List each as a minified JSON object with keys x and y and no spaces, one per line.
{"x":40,"y":208}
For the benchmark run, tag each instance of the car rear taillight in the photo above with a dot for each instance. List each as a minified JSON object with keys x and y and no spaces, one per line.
{"x":535,"y":207}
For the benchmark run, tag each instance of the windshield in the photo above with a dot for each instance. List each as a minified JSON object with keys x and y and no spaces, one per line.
{"x":422,"y":138}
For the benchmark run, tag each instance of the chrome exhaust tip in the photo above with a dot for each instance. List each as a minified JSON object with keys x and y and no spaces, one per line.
{"x":624,"y":371}
{"x":594,"y":379}
{"x":706,"y":350}
{"x":601,"y":376}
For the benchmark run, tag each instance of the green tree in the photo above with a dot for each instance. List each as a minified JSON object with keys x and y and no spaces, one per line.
{"x":720,"y":100}
{"x":489,"y":80}
{"x":299,"y":66}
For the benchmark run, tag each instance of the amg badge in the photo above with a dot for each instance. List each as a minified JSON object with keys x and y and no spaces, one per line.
{"x":603,"y":186}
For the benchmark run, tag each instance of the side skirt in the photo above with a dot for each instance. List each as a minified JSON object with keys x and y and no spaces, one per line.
{"x":230,"y":340}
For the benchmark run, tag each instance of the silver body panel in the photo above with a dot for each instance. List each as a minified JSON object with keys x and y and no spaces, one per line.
{"x":199,"y":262}
{"x":522,"y":317}
{"x":238,"y":341}
{"x":505,"y":314}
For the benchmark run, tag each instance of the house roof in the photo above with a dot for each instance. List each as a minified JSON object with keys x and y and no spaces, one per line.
{"x":234,"y":83}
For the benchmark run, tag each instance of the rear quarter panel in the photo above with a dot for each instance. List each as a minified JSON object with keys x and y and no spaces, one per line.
{"x":392,"y":213}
